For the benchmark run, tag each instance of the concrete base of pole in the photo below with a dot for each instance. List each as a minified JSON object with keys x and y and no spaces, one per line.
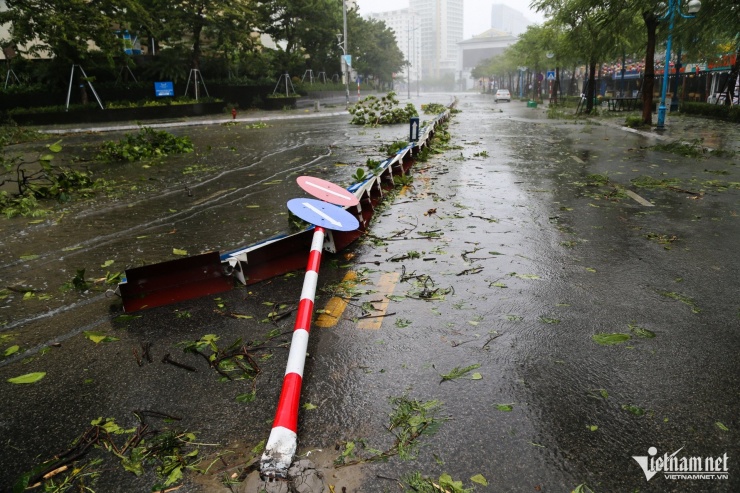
{"x":279,"y":453}
{"x":302,"y":477}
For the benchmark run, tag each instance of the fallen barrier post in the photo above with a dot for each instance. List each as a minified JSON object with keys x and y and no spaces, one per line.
{"x":282,"y":443}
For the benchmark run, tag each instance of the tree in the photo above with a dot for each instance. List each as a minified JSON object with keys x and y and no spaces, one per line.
{"x":203,"y":24}
{"x":305,"y":31}
{"x":374,"y":48}
{"x":69,"y":30}
{"x":591,"y":28}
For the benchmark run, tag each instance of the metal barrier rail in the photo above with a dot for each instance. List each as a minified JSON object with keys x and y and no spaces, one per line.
{"x":206,"y":274}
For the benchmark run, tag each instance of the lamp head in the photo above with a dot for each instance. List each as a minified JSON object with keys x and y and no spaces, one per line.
{"x":694,"y":6}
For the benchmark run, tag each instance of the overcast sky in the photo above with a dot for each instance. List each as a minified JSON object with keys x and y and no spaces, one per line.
{"x":477,"y":12}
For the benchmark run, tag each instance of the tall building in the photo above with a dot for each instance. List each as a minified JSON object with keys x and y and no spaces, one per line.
{"x":406,"y":28}
{"x":509,"y":20}
{"x":441,"y":24}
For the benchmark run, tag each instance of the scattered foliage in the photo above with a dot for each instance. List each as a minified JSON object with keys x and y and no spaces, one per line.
{"x":147,"y":144}
{"x":170,"y":452}
{"x":379,"y":111}
{"x":433,"y":108}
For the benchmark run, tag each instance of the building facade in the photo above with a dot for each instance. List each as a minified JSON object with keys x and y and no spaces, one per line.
{"x":509,"y":20}
{"x":478,"y":48}
{"x":441,"y":23}
{"x":405,"y":25}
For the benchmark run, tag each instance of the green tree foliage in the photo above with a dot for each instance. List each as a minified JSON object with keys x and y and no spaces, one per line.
{"x":374,"y":48}
{"x":68,"y":29}
{"x":195,"y":27}
{"x":306,"y":32}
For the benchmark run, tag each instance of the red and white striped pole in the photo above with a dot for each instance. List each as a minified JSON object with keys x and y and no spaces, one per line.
{"x":282,"y":444}
{"x":323,"y":214}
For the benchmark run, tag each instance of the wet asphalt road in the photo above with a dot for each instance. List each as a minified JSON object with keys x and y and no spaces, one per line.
{"x":529,"y":262}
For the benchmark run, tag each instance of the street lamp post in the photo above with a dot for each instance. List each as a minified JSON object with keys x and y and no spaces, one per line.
{"x":345,"y":75}
{"x":412,"y":58}
{"x":343,"y":43}
{"x":673,"y":7}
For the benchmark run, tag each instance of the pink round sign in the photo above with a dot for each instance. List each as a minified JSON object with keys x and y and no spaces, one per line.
{"x":327,"y":191}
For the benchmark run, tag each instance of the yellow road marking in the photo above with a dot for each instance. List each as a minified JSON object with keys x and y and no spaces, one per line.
{"x":336,"y":306}
{"x":385,"y":287}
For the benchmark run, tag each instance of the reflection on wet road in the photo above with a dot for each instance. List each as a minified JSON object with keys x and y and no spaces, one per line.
{"x":519,"y":248}
{"x":595,"y":326}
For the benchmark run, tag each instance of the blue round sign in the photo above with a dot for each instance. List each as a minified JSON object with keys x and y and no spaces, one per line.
{"x":323,"y":214}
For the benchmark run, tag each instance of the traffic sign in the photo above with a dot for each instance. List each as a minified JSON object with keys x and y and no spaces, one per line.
{"x":323,"y":214}
{"x":550,"y":75}
{"x":414,"y":128}
{"x":348,"y":60}
{"x":327,"y":191}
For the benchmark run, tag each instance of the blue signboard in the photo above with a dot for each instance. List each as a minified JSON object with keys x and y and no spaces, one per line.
{"x":550,"y":75}
{"x":164,"y":89}
{"x":323,"y":214}
{"x":414,"y":128}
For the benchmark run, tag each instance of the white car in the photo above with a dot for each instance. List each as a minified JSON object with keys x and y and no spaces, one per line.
{"x":502,"y":95}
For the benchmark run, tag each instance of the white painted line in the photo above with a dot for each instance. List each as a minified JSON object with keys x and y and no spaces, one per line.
{"x":639,"y":199}
{"x":323,"y":189}
{"x":320,"y":213}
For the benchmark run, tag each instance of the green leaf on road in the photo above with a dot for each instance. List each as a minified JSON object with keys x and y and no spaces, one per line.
{"x":479,"y":479}
{"x":458,"y":372}
{"x":98,"y":337}
{"x":610,"y":339}
{"x":248,"y":397}
{"x":721,"y":426}
{"x":177,"y":251}
{"x":309,"y":407}
{"x":505,"y":407}
{"x":476,"y":376}
{"x":641,"y":332}
{"x":28,"y":378}
{"x":107,"y":263}
{"x":636,"y":410}
{"x":12,"y":350}
{"x":593,"y":427}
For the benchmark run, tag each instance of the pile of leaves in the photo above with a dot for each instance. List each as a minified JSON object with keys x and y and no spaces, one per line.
{"x":41,"y":179}
{"x":433,"y":108}
{"x":379,"y":111}
{"x":147,"y":144}
{"x":170,"y":452}
{"x":409,"y":421}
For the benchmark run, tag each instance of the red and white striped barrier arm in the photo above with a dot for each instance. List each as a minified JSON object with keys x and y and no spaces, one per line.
{"x":282,"y":443}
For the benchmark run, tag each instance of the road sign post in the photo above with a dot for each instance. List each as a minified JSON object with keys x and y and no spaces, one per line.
{"x":282,"y":443}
